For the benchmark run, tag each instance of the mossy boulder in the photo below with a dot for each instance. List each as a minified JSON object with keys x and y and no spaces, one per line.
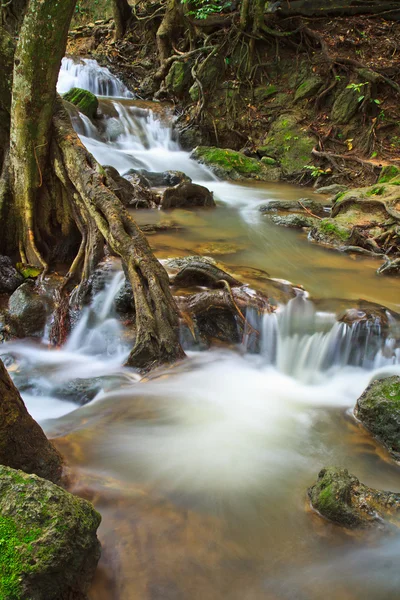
{"x":295,"y":221}
{"x":341,"y":498}
{"x":289,"y":143}
{"x":178,"y":78}
{"x":263,"y":92}
{"x":86,"y":102}
{"x":48,"y":544}
{"x":345,"y":106}
{"x":229,"y":164}
{"x":389,"y":173}
{"x":308,"y":88}
{"x":378,"y":409}
{"x":211,"y":74}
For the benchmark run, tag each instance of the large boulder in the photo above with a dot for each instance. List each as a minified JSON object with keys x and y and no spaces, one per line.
{"x":345,"y":106}
{"x":378,"y":409}
{"x":86,"y":102}
{"x":10,"y":279}
{"x":48,"y":544}
{"x":28,"y":311}
{"x":229,"y":164}
{"x":187,"y":195}
{"x":342,"y":499}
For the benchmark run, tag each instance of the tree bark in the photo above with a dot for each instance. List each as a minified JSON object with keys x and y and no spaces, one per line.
{"x":122,"y":13}
{"x":41,"y":46}
{"x":168,"y":29}
{"x":23,"y":445}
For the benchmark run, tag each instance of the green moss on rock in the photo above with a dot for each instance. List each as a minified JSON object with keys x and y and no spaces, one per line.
{"x":308,"y":88}
{"x":178,"y":78}
{"x":332,"y":229}
{"x":388,"y":173}
{"x":288,"y":143}
{"x":263,"y":92}
{"x":341,"y":498}
{"x":345,"y":106}
{"x":378,"y":408}
{"x":48,"y":544}
{"x":229,"y":164}
{"x":85,"y":101}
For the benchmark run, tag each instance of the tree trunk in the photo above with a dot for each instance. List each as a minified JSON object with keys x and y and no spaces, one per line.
{"x":168,"y":29}
{"x":41,"y":46}
{"x":23,"y":445}
{"x":122,"y":14}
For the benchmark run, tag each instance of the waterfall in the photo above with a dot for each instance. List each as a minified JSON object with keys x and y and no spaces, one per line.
{"x":303,"y":342}
{"x":88,"y":75}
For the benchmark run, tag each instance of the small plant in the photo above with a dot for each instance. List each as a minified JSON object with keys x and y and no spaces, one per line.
{"x":203,"y":8}
{"x":315,"y":171}
{"x":357,"y":88}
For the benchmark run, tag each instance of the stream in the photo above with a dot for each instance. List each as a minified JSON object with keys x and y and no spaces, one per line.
{"x":200,"y":471}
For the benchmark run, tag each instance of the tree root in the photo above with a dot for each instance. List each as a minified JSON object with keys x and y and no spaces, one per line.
{"x":106,"y":219}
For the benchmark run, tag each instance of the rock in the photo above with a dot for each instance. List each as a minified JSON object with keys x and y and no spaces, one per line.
{"x":80,"y":391}
{"x":10,"y":279}
{"x":187,"y":195}
{"x":229,"y":164}
{"x":23,"y":444}
{"x":28,"y":311}
{"x":342,"y":499}
{"x":263,"y":92}
{"x":287,"y":205}
{"x":389,"y":267}
{"x":308,"y":88}
{"x":124,"y":301}
{"x":345,"y":106}
{"x":378,"y":409}
{"x":330,"y":233}
{"x":49,"y":547}
{"x":268,"y":160}
{"x":332,"y":190}
{"x":175,"y":264}
{"x":202,"y":273}
{"x":159,"y":179}
{"x":85,"y":101}
{"x":132,"y":196}
{"x":297,"y":221}
{"x":210,"y":74}
{"x":289,"y":143}
{"x":178,"y":78}
{"x":148,"y":87}
{"x":388,"y":173}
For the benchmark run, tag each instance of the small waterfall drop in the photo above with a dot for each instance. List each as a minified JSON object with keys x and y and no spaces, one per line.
{"x":88,"y":75}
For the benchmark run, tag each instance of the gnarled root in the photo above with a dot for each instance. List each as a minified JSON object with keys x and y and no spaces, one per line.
{"x":101,"y":217}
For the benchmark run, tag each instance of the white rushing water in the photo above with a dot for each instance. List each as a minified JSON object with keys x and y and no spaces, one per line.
{"x":87,"y":74}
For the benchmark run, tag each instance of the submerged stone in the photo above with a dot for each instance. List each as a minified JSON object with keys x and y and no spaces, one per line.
{"x":48,"y":544}
{"x":378,"y":409}
{"x":341,"y":498}
{"x":85,"y":101}
{"x":296,"y":221}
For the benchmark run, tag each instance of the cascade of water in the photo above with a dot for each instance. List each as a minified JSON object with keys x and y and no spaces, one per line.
{"x":302,"y":342}
{"x":88,"y":75}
